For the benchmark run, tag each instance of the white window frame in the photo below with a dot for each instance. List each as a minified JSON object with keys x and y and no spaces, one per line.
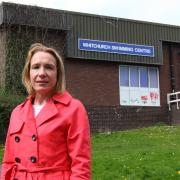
{"x":151,"y":95}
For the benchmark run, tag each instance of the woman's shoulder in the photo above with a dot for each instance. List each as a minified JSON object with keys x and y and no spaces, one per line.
{"x":68,"y":99}
{"x":77,"y":104}
{"x":21,"y":105}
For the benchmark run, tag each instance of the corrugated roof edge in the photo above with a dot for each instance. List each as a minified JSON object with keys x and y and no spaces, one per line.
{"x":6,"y":4}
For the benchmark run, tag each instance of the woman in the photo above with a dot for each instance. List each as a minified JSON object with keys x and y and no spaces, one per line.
{"x":48,"y":136}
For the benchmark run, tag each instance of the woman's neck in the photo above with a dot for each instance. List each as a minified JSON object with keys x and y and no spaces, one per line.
{"x":41,"y":99}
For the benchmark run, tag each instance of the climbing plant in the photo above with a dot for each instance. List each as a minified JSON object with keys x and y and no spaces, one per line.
{"x":18,"y":42}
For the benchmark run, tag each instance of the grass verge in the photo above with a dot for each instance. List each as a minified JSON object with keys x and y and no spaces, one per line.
{"x":143,"y":154}
{"x":149,"y":153}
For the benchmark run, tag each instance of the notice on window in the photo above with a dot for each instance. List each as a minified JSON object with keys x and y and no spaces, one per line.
{"x":139,"y":97}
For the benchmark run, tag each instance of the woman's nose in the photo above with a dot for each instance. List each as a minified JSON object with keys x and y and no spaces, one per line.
{"x":42,"y":72}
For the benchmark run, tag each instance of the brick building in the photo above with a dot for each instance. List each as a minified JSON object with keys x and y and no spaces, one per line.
{"x":120,"y":69}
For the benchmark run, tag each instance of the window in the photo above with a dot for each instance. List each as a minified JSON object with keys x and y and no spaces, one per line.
{"x":134,"y":77}
{"x":153,"y":77}
{"x":124,"y":76}
{"x":139,"y":85}
{"x":143,"y":76}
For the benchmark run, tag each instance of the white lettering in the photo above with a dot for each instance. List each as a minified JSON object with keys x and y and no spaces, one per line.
{"x":118,"y":48}
{"x":85,"y":44}
{"x":142,"y":50}
{"x":122,"y":48}
{"x":96,"y":46}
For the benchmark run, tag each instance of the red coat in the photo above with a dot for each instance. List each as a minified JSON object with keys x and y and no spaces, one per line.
{"x":53,"y":146}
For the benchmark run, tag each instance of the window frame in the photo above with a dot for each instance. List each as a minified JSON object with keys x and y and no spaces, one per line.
{"x":148,"y":89}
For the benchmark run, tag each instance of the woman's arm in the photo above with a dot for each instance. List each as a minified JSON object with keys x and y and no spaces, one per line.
{"x":78,"y":141}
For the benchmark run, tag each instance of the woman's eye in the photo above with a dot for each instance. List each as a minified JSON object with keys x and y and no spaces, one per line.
{"x":49,"y":67}
{"x":34,"y":67}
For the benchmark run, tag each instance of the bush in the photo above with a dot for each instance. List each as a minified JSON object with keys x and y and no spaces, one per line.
{"x":160,"y":123}
{"x":7,"y":104}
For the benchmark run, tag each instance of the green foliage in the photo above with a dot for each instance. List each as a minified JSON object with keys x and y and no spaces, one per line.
{"x":17,"y":46}
{"x":149,"y":153}
{"x":1,"y":152}
{"x":7,"y":103}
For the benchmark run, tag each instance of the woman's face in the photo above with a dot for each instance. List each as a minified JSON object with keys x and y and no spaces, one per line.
{"x":43,"y":73}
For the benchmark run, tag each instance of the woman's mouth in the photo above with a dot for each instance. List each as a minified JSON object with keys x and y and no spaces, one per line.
{"x":42,"y":82}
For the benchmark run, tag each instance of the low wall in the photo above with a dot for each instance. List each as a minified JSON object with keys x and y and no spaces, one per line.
{"x":174,"y":114}
{"x":115,"y":118}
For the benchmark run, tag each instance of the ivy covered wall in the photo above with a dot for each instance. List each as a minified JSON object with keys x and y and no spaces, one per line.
{"x":18,"y":40}
{"x":2,"y":58}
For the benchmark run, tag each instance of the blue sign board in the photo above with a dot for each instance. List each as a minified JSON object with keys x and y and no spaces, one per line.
{"x":114,"y":47}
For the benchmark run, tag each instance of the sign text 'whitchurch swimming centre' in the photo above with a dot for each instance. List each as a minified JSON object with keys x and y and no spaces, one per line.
{"x":114,"y":47}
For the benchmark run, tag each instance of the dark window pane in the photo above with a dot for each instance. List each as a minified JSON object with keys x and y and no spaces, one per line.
{"x":153,"y":77}
{"x":143,"y":77}
{"x":124,"y":76}
{"x":134,"y":77}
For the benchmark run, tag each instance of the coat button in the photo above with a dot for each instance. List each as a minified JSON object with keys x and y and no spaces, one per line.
{"x":17,"y":138}
{"x":33,"y":159}
{"x":34,"y":137}
{"x":18,"y":160}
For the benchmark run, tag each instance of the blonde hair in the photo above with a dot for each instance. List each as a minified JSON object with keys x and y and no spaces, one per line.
{"x":37,"y":47}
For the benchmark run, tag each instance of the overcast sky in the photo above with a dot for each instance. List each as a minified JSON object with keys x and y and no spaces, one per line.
{"x":160,"y":11}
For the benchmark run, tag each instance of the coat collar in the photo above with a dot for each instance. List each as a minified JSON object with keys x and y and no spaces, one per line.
{"x":63,"y":98}
{"x":48,"y":111}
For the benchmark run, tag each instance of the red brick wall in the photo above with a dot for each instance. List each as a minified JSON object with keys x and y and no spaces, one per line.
{"x":96,"y":84}
{"x":93,"y":82}
{"x":115,"y":118}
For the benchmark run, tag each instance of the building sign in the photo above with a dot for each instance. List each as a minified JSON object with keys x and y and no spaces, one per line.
{"x":114,"y":47}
